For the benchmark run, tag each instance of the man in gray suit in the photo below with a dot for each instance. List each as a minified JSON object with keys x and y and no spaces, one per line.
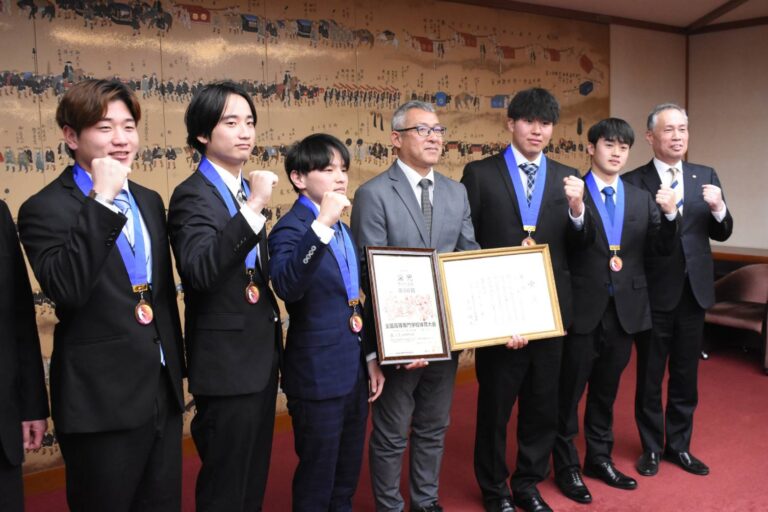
{"x":411,"y":205}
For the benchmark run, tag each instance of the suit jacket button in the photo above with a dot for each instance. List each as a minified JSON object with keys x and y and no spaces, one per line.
{"x":275,"y":319}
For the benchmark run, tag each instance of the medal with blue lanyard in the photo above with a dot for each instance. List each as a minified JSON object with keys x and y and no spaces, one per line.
{"x":252,"y":293}
{"x":345,"y":258}
{"x":134,"y":258}
{"x":612,"y":227}
{"x":528,"y":213}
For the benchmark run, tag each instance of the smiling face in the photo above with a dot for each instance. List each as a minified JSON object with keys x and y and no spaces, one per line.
{"x":114,"y":135}
{"x":530,"y":136}
{"x":608,"y":158}
{"x":419,"y":153}
{"x":331,"y":178}
{"x":669,"y":137}
{"x":233,"y":137}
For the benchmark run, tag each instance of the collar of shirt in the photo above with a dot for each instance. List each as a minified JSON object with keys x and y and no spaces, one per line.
{"x":663,"y":167}
{"x":601,"y":184}
{"x":232,"y":183}
{"x":520,"y":159}
{"x":414,"y":178}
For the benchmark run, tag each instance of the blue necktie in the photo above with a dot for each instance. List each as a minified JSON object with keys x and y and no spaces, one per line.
{"x":530,"y":171}
{"x":673,"y":185}
{"x":339,"y":236}
{"x":124,"y":205}
{"x":610,"y":206}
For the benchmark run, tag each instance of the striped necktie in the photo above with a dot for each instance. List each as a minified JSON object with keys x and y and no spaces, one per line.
{"x":530,"y":171}
{"x":674,"y":184}
{"x":124,"y":205}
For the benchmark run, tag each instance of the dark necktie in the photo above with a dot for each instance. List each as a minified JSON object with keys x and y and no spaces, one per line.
{"x":426,"y":205}
{"x":241,"y":199}
{"x":610,"y":205}
{"x":530,"y":170}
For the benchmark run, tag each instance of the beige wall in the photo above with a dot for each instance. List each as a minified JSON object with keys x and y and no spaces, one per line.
{"x":728,"y":82}
{"x":728,"y":113}
{"x":639,"y":60}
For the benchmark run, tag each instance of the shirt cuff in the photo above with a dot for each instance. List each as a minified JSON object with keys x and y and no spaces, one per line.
{"x":255,"y":220}
{"x":719,"y":216}
{"x":578,"y":222}
{"x":104,"y":201}
{"x":323,"y":232}
{"x":671,"y":216}
{"x":371,"y":357}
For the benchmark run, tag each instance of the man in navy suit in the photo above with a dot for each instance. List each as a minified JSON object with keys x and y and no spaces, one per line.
{"x":98,"y":246}
{"x":610,"y":306}
{"x":521,"y":196}
{"x":681,"y":288}
{"x":232,"y":326}
{"x":23,"y":398}
{"x":315,"y":271}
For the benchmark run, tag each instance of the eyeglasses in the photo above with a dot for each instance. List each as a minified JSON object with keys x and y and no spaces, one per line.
{"x":426,"y":131}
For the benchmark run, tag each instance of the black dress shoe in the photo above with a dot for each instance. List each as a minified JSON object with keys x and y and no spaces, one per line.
{"x":432,"y":507}
{"x":500,"y":505}
{"x":608,"y":473}
{"x":533,"y":503}
{"x":570,"y":483}
{"x":687,"y":461}
{"x":648,"y":464}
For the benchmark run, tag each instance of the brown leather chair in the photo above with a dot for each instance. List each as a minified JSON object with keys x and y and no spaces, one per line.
{"x":741,"y":308}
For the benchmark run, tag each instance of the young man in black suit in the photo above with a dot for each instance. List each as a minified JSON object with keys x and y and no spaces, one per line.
{"x":520,"y":197}
{"x":610,"y":306}
{"x":681,"y":288}
{"x":98,"y":247}
{"x":23,"y":398}
{"x":232,"y":324}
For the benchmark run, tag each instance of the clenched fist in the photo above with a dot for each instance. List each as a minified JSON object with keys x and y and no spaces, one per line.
{"x":261,"y":184}
{"x":713,"y":196}
{"x":109,"y":175}
{"x":331,"y":208}
{"x":665,"y":198}
{"x":574,"y":192}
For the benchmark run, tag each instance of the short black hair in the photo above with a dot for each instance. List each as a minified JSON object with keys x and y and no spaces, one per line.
{"x":613,"y":129}
{"x":312,"y":153}
{"x":205,"y":109}
{"x":534,"y":103}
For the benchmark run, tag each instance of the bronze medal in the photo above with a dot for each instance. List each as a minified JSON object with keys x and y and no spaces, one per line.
{"x":615,"y":263}
{"x":356,"y":323}
{"x":528,"y":241}
{"x":252,"y":293}
{"x":143,"y":312}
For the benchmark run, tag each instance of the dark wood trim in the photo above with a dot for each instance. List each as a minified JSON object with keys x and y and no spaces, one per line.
{"x":731,"y":25}
{"x":570,"y":14}
{"x":746,"y":255}
{"x":714,"y":14}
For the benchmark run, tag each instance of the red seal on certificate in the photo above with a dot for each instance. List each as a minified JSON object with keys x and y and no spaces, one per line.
{"x":356,"y":323}
{"x":528,"y":241}
{"x":252,"y":293}
{"x":615,"y":263}
{"x":143,"y":312}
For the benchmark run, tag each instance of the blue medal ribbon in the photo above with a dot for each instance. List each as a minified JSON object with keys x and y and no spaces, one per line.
{"x":211,"y":175}
{"x":613,"y":227}
{"x":134,"y":258}
{"x":529,"y":214}
{"x":346,"y":260}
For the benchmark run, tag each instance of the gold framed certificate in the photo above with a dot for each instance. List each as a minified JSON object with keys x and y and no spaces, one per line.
{"x":407,"y":305}
{"x":491,"y":294}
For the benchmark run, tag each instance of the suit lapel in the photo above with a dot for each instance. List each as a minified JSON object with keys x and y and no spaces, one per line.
{"x":599,"y":226}
{"x":68,"y":181}
{"x":503,"y":171}
{"x":691,"y":185}
{"x":439,"y":209}
{"x":403,"y":189}
{"x":650,"y":178}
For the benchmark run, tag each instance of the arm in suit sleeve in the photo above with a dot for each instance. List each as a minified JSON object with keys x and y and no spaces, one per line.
{"x":470,"y":181}
{"x":67,"y":257}
{"x":720,"y":231}
{"x":204,"y":251}
{"x":295,"y":251}
{"x":33,"y":398}
{"x":662,"y":232}
{"x":466,"y":241}
{"x":369,"y":228}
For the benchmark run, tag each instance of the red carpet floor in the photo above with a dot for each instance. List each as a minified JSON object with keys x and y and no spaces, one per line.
{"x":730,"y":435}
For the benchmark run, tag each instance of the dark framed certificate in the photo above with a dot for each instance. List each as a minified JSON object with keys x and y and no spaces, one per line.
{"x":407,"y":304}
{"x":492,"y":294}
